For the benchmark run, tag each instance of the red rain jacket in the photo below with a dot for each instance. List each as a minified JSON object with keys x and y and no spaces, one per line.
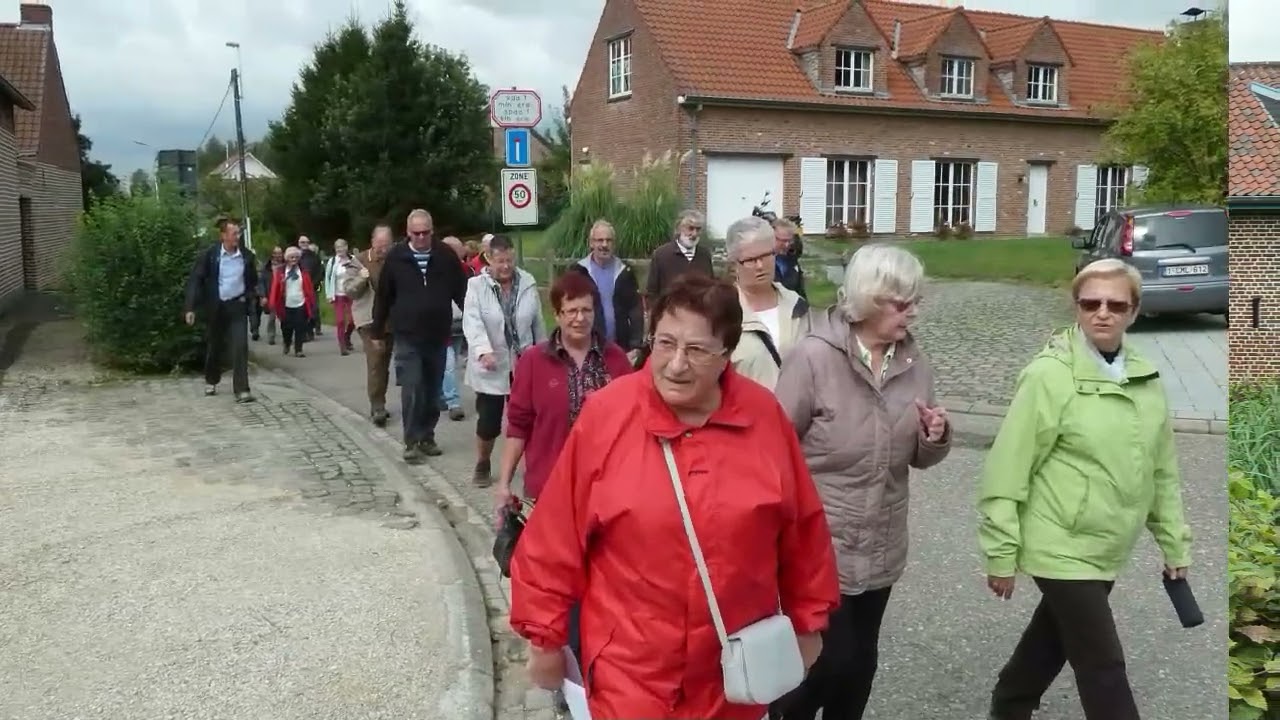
{"x":607,"y":531}
{"x":275,"y":298}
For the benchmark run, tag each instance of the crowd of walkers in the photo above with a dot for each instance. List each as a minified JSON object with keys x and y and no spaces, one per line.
{"x":766,"y":443}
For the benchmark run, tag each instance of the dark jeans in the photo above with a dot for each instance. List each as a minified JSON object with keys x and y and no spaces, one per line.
{"x":419,"y":374}
{"x":294,"y":328}
{"x":839,"y":683}
{"x":228,"y":335}
{"x":1072,"y":623}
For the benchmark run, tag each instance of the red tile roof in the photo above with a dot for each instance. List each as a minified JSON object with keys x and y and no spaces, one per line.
{"x":1007,"y":42}
{"x":23,"y":53}
{"x":919,"y":34}
{"x":1253,"y":161}
{"x":713,"y":53}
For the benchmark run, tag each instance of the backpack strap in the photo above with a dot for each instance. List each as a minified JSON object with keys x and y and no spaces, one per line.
{"x":768,"y":344}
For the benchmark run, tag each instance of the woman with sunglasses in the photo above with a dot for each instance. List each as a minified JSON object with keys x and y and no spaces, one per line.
{"x":1083,"y":461}
{"x":860,"y":394}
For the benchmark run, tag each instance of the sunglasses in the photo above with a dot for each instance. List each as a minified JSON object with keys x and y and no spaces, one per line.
{"x":424,"y":233}
{"x":1115,"y":307}
{"x":899,"y":304}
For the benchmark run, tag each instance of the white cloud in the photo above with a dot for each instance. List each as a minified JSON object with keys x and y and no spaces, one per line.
{"x":1251,"y":31}
{"x":154,"y":70}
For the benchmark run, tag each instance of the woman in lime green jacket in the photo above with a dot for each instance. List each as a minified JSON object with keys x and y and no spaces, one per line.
{"x":1083,"y":461}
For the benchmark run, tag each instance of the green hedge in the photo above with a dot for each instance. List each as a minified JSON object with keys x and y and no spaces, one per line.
{"x":128,"y":268}
{"x":1254,"y":433}
{"x":643,"y":217}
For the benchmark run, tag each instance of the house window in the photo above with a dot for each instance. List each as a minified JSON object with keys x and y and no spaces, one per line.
{"x":1112,"y":181}
{"x":620,"y":67}
{"x":957,"y":77}
{"x":848,"y":192}
{"x":853,"y":70}
{"x":1042,"y":83}
{"x":953,"y":194}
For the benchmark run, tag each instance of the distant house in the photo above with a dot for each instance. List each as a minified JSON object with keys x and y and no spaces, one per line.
{"x":897,"y":115}
{"x":40,"y":195}
{"x":1253,"y":200}
{"x":254,"y":169}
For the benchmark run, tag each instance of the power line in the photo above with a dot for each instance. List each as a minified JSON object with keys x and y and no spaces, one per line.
{"x":216,"y":115}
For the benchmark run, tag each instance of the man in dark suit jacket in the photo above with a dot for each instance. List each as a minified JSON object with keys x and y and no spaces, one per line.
{"x":682,"y":255}
{"x":223,"y":285}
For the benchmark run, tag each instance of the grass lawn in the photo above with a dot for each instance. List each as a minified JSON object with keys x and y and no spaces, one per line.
{"x":1253,"y":439}
{"x":1048,"y":261}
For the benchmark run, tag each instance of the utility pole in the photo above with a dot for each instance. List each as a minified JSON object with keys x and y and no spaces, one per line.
{"x":244,"y":179}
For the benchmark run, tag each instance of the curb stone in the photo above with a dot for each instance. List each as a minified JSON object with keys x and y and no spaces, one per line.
{"x":474,"y":693}
{"x":973,"y":419}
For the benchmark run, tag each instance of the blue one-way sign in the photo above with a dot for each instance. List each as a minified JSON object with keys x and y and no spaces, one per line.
{"x":518,"y":147}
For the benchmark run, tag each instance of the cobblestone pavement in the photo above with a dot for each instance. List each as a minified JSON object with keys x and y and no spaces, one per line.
{"x":232,"y":561}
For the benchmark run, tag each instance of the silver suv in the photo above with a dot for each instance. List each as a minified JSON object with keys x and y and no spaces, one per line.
{"x":1181,"y":252}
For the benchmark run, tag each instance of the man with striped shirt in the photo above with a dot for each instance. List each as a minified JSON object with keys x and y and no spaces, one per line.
{"x":420,"y":281}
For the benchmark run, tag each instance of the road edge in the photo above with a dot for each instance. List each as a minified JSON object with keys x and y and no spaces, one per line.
{"x":476,"y":684}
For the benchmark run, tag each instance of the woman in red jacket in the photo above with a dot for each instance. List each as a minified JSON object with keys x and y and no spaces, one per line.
{"x":292,"y":299}
{"x":608,"y":532}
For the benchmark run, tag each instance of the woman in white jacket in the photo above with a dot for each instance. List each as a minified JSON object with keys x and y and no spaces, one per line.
{"x":502,"y":317}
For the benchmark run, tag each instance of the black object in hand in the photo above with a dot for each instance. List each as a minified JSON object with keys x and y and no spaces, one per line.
{"x":504,"y":545}
{"x":1184,"y":601}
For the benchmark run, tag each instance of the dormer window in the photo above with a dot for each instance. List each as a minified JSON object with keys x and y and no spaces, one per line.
{"x":957,"y":78}
{"x":1042,"y":84}
{"x":853,"y":70}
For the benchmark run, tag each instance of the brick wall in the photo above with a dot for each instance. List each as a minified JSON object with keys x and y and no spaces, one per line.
{"x":56,"y":203}
{"x":10,"y":227}
{"x":1255,"y":272}
{"x":1011,"y":144}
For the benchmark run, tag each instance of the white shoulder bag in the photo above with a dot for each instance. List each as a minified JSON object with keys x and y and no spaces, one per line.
{"x":761,"y":662}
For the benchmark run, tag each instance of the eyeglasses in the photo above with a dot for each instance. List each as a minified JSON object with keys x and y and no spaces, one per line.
{"x":693,"y":354}
{"x":1115,"y":307}
{"x":424,"y":233}
{"x":757,"y":260}
{"x":900,"y":304}
{"x":576,"y":312}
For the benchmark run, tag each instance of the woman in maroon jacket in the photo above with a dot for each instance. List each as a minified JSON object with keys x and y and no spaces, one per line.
{"x":549,"y":384}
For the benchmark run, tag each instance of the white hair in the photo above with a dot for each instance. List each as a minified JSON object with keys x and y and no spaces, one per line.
{"x":292,"y":251}
{"x":419,"y":213}
{"x":875,"y":272}
{"x":339,"y":243}
{"x":1109,"y":268}
{"x":602,"y":224}
{"x":745,"y":232}
{"x":689,"y":217}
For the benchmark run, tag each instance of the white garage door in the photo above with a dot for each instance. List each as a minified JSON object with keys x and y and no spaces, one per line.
{"x":735,"y":184}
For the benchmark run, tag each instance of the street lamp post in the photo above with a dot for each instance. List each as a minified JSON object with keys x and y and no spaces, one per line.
{"x":236,"y":87}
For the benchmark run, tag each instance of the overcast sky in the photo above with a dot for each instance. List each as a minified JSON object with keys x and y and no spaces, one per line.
{"x":1251,"y":28}
{"x":153,"y":71}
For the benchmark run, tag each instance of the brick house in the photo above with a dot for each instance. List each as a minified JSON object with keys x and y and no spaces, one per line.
{"x":1253,"y":201}
{"x":897,"y":115}
{"x":48,"y":198}
{"x":11,"y":246}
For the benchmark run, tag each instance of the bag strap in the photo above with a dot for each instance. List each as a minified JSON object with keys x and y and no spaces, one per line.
{"x":767,"y":339}
{"x":698,"y":559}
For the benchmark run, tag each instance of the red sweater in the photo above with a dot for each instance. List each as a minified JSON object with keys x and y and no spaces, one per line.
{"x":275,"y":298}
{"x":538,"y":407}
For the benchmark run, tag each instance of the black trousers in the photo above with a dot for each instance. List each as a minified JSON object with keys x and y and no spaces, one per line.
{"x":1072,"y":624}
{"x":419,"y":373}
{"x":294,"y":328}
{"x":227,"y":337}
{"x":839,"y":683}
{"x":489,"y":411}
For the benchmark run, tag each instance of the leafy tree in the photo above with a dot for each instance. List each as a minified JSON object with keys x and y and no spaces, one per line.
{"x":96,"y":179}
{"x":140,"y":183}
{"x":1176,"y":121}
{"x":129,"y":265}
{"x":556,"y":165}
{"x":213,"y":154}
{"x":296,"y":152}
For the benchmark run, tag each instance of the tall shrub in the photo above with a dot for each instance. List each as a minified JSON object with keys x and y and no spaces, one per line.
{"x":1254,"y":434}
{"x":649,"y":211}
{"x":1253,"y":563}
{"x":128,"y":268}
{"x":592,"y":196}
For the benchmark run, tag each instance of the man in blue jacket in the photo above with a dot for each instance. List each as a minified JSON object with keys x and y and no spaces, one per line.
{"x":223,"y":285}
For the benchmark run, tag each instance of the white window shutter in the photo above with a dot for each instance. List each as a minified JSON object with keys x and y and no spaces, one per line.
{"x":1086,"y":195}
{"x":884,"y":200}
{"x":921,"y":196}
{"x":1138,"y":175}
{"x":813,"y":195}
{"x":984,"y":210}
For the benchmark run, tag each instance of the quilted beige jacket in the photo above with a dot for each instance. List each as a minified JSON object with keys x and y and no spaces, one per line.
{"x":860,"y":439}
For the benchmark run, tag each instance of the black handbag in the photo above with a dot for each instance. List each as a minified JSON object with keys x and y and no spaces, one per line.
{"x":504,"y":544}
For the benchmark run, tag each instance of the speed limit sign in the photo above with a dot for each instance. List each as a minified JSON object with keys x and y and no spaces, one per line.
{"x":519,"y":197}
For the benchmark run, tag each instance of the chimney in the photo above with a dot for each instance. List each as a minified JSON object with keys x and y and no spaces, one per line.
{"x":34,"y":15}
{"x":795,"y":27}
{"x":897,"y":37}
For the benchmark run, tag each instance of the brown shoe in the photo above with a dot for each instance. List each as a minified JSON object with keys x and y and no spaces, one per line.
{"x":482,"y":477}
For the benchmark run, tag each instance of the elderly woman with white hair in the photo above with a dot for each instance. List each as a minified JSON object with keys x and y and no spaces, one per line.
{"x":773,"y":317}
{"x":860,"y":394}
{"x":1083,"y":461}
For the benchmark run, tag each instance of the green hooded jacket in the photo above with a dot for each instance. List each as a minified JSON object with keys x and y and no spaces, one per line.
{"x":1081,"y":463}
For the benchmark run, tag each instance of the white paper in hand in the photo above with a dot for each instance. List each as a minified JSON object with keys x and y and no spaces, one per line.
{"x":575,"y":693}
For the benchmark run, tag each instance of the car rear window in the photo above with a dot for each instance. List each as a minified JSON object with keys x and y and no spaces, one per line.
{"x":1181,"y":228}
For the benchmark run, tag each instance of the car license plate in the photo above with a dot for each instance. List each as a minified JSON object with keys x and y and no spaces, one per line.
{"x":1185,"y":270}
